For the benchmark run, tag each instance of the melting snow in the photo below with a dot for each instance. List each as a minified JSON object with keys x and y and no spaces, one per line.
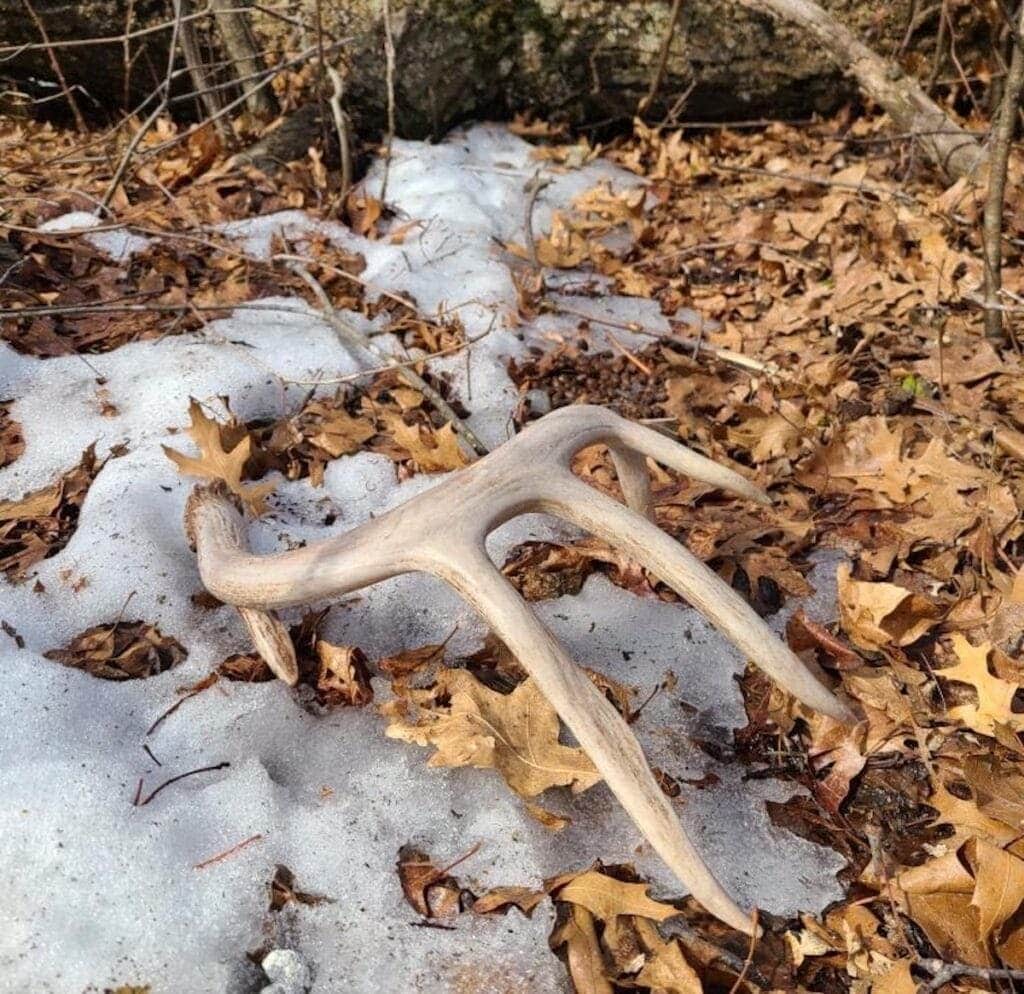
{"x":100,"y":893}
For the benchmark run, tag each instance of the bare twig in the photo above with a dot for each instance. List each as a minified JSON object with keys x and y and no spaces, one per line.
{"x":389,"y":82}
{"x":208,"y":95}
{"x":748,"y":962}
{"x":165,"y":92}
{"x":180,"y":776}
{"x":659,"y":69}
{"x":55,"y":65}
{"x":942,"y":973}
{"x":343,"y":125}
{"x":227,"y":852}
{"x":992,"y":228}
{"x":363,"y":347}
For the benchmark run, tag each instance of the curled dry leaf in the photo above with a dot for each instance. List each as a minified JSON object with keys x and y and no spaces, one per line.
{"x":283,"y":891}
{"x":342,"y":679}
{"x":583,"y":952}
{"x":223,"y":452}
{"x":126,"y":650}
{"x":876,"y":615}
{"x":500,"y":899}
{"x":431,"y":890}
{"x":469,"y":724}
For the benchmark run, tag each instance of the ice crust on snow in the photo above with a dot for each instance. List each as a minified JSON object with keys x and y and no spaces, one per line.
{"x":101,"y":893}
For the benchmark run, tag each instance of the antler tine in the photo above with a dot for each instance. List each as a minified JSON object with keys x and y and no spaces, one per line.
{"x":272,"y":642}
{"x":572,"y":428}
{"x":570,"y":498}
{"x":599,"y":728}
{"x":631,"y":467}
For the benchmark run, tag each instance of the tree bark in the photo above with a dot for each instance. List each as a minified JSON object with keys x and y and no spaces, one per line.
{"x":588,"y":62}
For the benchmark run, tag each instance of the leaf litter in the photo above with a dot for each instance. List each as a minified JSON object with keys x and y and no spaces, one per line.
{"x":881,"y":419}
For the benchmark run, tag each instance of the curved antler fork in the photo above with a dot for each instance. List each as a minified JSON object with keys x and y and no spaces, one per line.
{"x":442,"y":531}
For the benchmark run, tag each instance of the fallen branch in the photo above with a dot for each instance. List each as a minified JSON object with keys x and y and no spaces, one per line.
{"x":950,"y":147}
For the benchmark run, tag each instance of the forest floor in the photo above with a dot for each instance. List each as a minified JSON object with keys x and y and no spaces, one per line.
{"x":818,"y":328}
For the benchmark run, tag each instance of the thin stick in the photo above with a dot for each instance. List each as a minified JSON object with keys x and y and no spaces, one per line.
{"x":533,"y":188}
{"x":992,"y":228}
{"x":942,"y":973}
{"x":389,"y":83}
{"x":268,"y":78}
{"x":55,"y":65}
{"x":362,"y":346}
{"x":343,"y":125}
{"x":659,"y":70}
{"x":750,"y":955}
{"x":227,"y":852}
{"x":13,"y":51}
{"x":181,"y":776}
{"x":165,"y":92}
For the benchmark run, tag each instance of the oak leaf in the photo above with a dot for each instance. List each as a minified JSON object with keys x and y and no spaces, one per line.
{"x":470,"y":725}
{"x":218,"y":461}
{"x":605,"y":897}
{"x":995,"y":696}
{"x":433,"y":450}
{"x":876,"y":615}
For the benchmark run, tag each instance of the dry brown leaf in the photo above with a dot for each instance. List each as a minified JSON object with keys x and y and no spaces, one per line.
{"x":342,"y":679}
{"x":41,"y":523}
{"x":995,"y":696}
{"x":583,"y":951}
{"x":431,"y":890}
{"x":500,"y":899}
{"x":998,"y":788}
{"x":433,"y":450}
{"x":876,"y":615}
{"x":220,"y":462}
{"x":605,"y":897}
{"x":125,"y":650}
{"x":470,"y":725}
{"x":665,"y":969}
{"x":547,"y":818}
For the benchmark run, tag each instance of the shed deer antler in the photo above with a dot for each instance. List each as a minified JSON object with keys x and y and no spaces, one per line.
{"x":442,"y":531}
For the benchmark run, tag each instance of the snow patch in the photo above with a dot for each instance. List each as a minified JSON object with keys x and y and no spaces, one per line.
{"x":100,"y":893}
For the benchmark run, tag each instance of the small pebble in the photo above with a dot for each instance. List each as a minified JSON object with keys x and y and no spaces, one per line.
{"x":287,"y":970}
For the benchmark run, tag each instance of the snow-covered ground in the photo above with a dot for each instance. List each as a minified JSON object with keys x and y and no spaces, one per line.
{"x":99,"y":893}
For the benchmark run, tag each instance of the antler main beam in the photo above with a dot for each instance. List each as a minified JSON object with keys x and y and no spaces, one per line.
{"x":442,"y":531}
